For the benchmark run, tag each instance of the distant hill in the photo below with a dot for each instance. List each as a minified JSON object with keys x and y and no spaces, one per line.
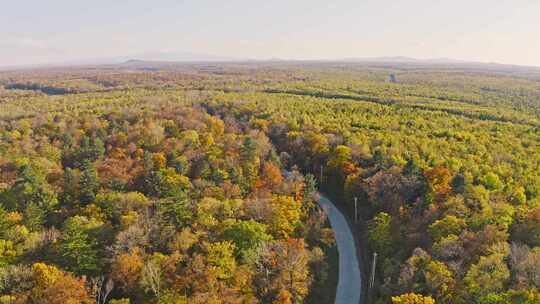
{"x":403,"y":59}
{"x":179,"y":60}
{"x":154,"y":57}
{"x":181,"y":57}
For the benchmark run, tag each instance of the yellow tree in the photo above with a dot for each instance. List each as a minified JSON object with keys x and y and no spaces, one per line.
{"x":291,"y":267}
{"x":284,"y":297}
{"x":54,"y":286}
{"x":126,"y":269}
{"x":271,"y":177}
{"x":286,"y":215}
{"x":438,"y":180}
{"x":412,"y":298}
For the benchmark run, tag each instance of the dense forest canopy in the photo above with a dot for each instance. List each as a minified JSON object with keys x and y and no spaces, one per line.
{"x":164,"y":183}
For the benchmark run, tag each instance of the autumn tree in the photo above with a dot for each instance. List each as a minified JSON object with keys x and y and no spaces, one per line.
{"x":439,"y":182}
{"x":56,"y":287}
{"x":271,"y":177}
{"x":527,"y":226}
{"x":221,"y":257}
{"x":286,"y":213}
{"x":126,"y":269}
{"x":287,"y":263}
{"x":338,"y":166}
{"x":440,"y":282}
{"x":525,"y":266}
{"x":412,"y":298}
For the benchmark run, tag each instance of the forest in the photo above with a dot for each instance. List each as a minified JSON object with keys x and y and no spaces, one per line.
{"x":165,"y":183}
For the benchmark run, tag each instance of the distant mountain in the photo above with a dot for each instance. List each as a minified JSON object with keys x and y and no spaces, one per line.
{"x":166,"y":59}
{"x":403,"y":59}
{"x":447,"y":63}
{"x":182,"y":57}
{"x":171,"y":57}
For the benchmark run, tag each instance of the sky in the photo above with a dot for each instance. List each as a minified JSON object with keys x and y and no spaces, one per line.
{"x":54,"y":31}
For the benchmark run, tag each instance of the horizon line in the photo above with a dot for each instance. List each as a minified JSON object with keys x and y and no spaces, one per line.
{"x":118,"y":60}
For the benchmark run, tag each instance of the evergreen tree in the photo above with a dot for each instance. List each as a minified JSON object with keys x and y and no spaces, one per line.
{"x":78,"y":248}
{"x":34,"y":217}
{"x":89,"y":183}
{"x":32,"y":191}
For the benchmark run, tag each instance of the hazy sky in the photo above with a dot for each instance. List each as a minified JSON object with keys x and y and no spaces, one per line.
{"x":41,"y":31}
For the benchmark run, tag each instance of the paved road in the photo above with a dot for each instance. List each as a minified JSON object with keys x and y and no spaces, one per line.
{"x":349,"y":281}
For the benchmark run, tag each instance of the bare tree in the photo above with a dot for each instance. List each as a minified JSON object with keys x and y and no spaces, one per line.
{"x":151,"y":278}
{"x":101,"y":288}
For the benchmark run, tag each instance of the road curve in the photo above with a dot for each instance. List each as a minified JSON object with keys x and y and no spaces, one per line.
{"x":349,"y":282}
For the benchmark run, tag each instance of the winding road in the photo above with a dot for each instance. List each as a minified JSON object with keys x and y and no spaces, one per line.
{"x":349,"y":282}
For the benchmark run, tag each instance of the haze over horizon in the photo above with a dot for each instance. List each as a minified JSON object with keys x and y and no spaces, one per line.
{"x":58,"y":31}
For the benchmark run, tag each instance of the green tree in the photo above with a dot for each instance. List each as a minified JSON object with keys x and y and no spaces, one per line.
{"x":492,"y":181}
{"x":32,"y":188}
{"x":89,"y":183}
{"x":440,"y":281}
{"x":71,"y":193}
{"x":34,"y":217}
{"x":8,"y":252}
{"x":518,"y":196}
{"x":78,"y":249}
{"x":310,"y":186}
{"x":487,"y":276}
{"x":445,"y":227}
{"x":119,"y":301}
{"x":250,"y":163}
{"x":4,"y":222}
{"x":177,"y":209}
{"x":221,"y":256}
{"x":91,"y":149}
{"x":247,"y":236}
{"x":380,"y":234}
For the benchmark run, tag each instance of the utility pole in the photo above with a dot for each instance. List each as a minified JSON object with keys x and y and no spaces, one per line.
{"x":355,"y":209}
{"x":373,"y":266}
{"x":321,"y":176}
